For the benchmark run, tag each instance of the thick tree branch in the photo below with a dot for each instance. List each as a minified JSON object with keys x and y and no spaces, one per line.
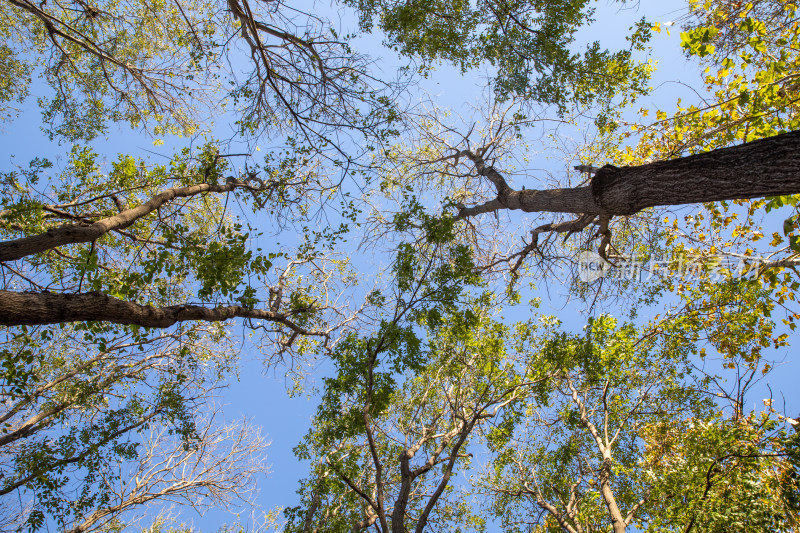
{"x":25,"y":308}
{"x":350,"y":483}
{"x":635,"y":508}
{"x":550,"y":508}
{"x":766,"y":167}
{"x":466,"y":429}
{"x":366,"y":411}
{"x":75,"y":234}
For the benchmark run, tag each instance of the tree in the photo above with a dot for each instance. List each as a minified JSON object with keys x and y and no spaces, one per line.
{"x":77,"y":393}
{"x":596,"y":451}
{"x":387,"y":451}
{"x":723,"y":467}
{"x":73,"y":414}
{"x":752,"y":89}
{"x":165,"y":244}
{"x":749,"y":93}
{"x":474,"y":155}
{"x":530,"y":46}
{"x":218,"y":468}
{"x":575,"y":464}
{"x":464,"y":175}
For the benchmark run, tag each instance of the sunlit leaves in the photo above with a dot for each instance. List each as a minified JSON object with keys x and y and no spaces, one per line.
{"x":738,"y":473}
{"x":530,"y":44}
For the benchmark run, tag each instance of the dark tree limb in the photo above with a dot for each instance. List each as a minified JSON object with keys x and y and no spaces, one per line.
{"x":28,"y":308}
{"x":76,"y":234}
{"x":569,"y":227}
{"x":766,"y":167}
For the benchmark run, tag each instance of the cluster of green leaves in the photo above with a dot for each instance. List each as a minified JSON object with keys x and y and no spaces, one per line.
{"x":733,"y":474}
{"x":754,"y":88}
{"x":530,"y":44}
{"x":14,"y":80}
{"x":431,"y":280}
{"x":749,"y":50}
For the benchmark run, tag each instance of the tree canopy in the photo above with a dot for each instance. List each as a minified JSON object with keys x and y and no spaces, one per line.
{"x":397,"y":259}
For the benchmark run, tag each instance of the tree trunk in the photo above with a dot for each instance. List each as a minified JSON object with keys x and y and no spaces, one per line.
{"x":617,"y":520}
{"x":766,"y":167}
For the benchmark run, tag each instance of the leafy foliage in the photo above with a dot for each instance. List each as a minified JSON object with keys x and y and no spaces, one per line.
{"x":531,"y":44}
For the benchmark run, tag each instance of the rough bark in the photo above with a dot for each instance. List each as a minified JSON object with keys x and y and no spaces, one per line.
{"x":766,"y":167}
{"x":75,"y":234}
{"x":27,"y":308}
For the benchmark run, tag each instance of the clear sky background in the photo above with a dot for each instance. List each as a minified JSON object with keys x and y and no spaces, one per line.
{"x":261,"y":395}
